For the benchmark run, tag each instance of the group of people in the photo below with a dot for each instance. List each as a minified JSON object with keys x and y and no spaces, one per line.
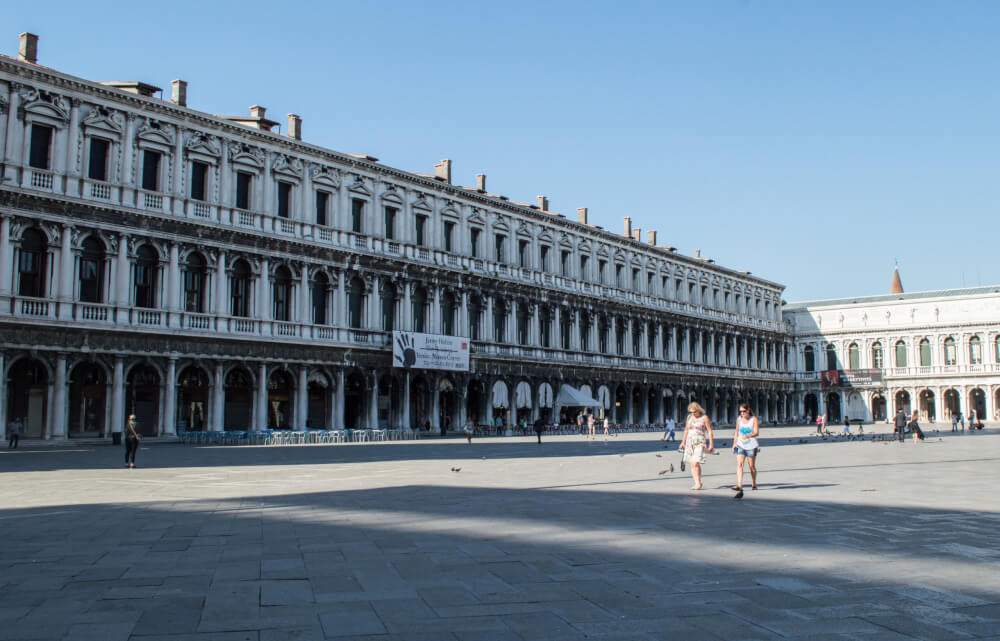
{"x":698,"y":441}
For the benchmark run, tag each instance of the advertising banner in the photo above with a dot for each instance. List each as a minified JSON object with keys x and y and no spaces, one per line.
{"x":852,"y":378}
{"x":411,"y":350}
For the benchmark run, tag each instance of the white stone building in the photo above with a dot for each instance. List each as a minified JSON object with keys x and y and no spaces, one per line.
{"x":207,"y":273}
{"x":936,"y":352}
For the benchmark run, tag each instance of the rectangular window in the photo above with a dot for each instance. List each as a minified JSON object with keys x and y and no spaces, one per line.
{"x":193,"y":283}
{"x":649,"y":283}
{"x":449,"y":232}
{"x":144,"y":285}
{"x":421,"y":224}
{"x":635,"y":280}
{"x":522,"y":252}
{"x":584,"y":262}
{"x":474,"y":242}
{"x":564,"y":263}
{"x":322,"y":207}
{"x":244,"y":181}
{"x":543,"y":259}
{"x":357,"y":213}
{"x":97,"y":167}
{"x":284,"y":199}
{"x":499,"y":246}
{"x":602,"y":268}
{"x":199,"y":176}
{"x":41,"y":145}
{"x":151,"y":170}
{"x":390,"y":222}
{"x":618,"y":275}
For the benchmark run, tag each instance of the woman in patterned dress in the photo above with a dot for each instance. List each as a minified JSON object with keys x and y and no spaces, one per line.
{"x":697,"y":434}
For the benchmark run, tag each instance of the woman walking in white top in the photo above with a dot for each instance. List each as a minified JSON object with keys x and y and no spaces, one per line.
{"x":745,"y":446}
{"x":697,"y":433}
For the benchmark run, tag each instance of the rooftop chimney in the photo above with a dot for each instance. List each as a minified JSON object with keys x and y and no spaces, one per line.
{"x":651,"y":236}
{"x":294,"y":126}
{"x":637,"y":235}
{"x":697,"y":253}
{"x":628,"y":227}
{"x":481,"y":182}
{"x":543,"y":203}
{"x":581,"y":215}
{"x":442,"y":171}
{"x":179,"y":93}
{"x":28,"y":48}
{"x":256,"y":111}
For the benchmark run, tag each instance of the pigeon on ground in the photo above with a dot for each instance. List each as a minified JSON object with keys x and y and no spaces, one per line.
{"x":662,"y":472}
{"x":456,"y":469}
{"x":620,"y":455}
{"x":738,"y":495}
{"x":659,"y":456}
{"x":671,"y":468}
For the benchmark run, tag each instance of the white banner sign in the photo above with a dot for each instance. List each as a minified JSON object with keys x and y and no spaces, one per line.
{"x":430,"y":351}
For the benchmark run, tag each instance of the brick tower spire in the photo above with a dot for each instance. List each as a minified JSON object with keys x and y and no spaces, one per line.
{"x":897,"y":285}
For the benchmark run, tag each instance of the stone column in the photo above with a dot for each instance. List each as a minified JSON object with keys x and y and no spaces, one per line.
{"x":118,"y":396}
{"x":58,"y":420}
{"x":488,"y":331}
{"x":264,"y":291}
{"x":406,"y":318}
{"x":170,"y":404}
{"x":71,"y":169}
{"x":179,"y":169}
{"x":338,"y":402}
{"x":373,"y":405}
{"x":122,"y":297}
{"x":6,"y":262}
{"x":436,"y":404}
{"x":304,"y":295}
{"x":406,"y":404}
{"x":260,"y":409}
{"x":3,"y":397}
{"x":66,"y":274}
{"x":173,"y":287}
{"x":219,"y":400}
{"x":341,"y":307}
{"x":220,"y":305}
{"x":302,"y":399}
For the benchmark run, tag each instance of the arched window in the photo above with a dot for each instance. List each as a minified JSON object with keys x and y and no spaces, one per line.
{"x":240,"y":282}
{"x":194,"y":283}
{"x":499,"y":320}
{"x":545,"y":325}
{"x":475,"y":312}
{"x":523,"y":316}
{"x":900,"y":354}
{"x":996,"y":350}
{"x":650,"y":340}
{"x":355,"y":302}
{"x":146,"y":261}
{"x":31,"y":264}
{"x":388,"y":307}
{"x":925,"y":353}
{"x":877,"y":359}
{"x":602,"y":334}
{"x":419,"y":302}
{"x":831,"y":357}
{"x":620,"y":336}
{"x":448,"y":306}
{"x":853,"y":356}
{"x":565,"y":328}
{"x":975,"y":351}
{"x":585,"y":331}
{"x":950,"y":353}
{"x":92,"y":271}
{"x":320,"y":284}
{"x":282,"y":294}
{"x":810,"y":358}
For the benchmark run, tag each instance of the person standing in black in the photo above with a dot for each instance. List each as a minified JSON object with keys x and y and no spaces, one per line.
{"x":539,"y":428}
{"x":900,"y":423}
{"x":131,"y":441}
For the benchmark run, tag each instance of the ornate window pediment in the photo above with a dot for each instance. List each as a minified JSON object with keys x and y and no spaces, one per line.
{"x":584,"y":247}
{"x":44,"y":105}
{"x":156,"y":133}
{"x":545,"y":237}
{"x":602,"y":251}
{"x":391,"y":195}
{"x":358,"y":186}
{"x":322,"y":175}
{"x":203,"y":145}
{"x":421,"y":203}
{"x":564,"y":241}
{"x":476,"y":217}
{"x":450,"y":209}
{"x":523,"y":230}
{"x":244,"y":154}
{"x":287,"y":167}
{"x":104,"y":120}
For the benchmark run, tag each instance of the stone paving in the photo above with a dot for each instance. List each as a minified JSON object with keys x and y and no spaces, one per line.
{"x":502,"y":540}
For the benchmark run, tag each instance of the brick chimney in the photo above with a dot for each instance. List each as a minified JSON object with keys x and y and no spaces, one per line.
{"x":442,"y":171}
{"x":256,"y":111}
{"x":651,"y":236}
{"x":628,"y":227}
{"x":27,"y":49}
{"x":697,"y":253}
{"x":543,"y":203}
{"x":179,"y":93}
{"x":581,"y":215}
{"x":481,"y":183}
{"x":294,"y":126}
{"x":637,"y":235}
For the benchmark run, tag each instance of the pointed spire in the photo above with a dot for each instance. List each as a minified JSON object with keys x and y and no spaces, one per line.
{"x":897,"y":285}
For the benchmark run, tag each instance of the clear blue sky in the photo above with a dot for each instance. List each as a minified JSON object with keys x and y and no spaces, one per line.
{"x":810,"y":143}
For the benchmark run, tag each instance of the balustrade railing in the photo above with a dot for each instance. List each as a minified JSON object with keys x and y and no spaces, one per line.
{"x":100,"y":191}
{"x":202,"y":210}
{"x":31,"y":307}
{"x":197,"y":321}
{"x":148,"y":317}
{"x":92,"y":312}
{"x":152,"y":201}
{"x":41,"y":180}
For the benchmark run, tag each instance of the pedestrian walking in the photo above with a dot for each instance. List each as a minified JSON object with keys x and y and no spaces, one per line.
{"x":468,"y":429}
{"x":14,"y":429}
{"x":131,"y":441}
{"x":592,"y":425}
{"x":539,"y":428}
{"x":697,"y":434}
{"x":918,"y":434}
{"x":899,"y":424}
{"x":668,"y":430}
{"x":820,"y":424}
{"x":745,"y":446}
{"x":954,"y":422}
{"x":961,"y":421}
{"x":847,"y":426}
{"x":607,"y":425}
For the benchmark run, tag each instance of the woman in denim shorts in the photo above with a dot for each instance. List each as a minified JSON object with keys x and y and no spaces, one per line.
{"x":745,"y":445}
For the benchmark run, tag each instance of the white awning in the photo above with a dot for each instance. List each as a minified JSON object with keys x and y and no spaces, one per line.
{"x":604,"y":396}
{"x":585,"y":389}
{"x":522,"y":395}
{"x":572,"y":397}
{"x":500,"y":396}
{"x":544,"y":395}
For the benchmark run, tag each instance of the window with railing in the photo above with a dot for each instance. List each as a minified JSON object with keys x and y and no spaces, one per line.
{"x":388,"y":307}
{"x":900,"y":354}
{"x":151,"y":161}
{"x":320,"y":285}
{"x":146,"y":262}
{"x":420,"y":227}
{"x":355,"y":303}
{"x":390,"y":222}
{"x":877,"y":358}
{"x":97,"y":161}
{"x":357,"y":215}
{"x":31,"y":259}
{"x":92,"y":271}
{"x":199,"y":180}
{"x":474,"y":242}
{"x":925,"y":353}
{"x":284,"y":199}
{"x":950,"y":353}
{"x":322,"y":202}
{"x":282,"y":294}
{"x":240,"y":283}
{"x":545,"y":326}
{"x":853,"y":356}
{"x":419,"y":302}
{"x":523,"y":317}
{"x":244,"y":184}
{"x":831,"y":357}
{"x":448,"y":309}
{"x":195,"y":272}
{"x":499,"y":246}
{"x":475,"y":316}
{"x":40,"y":151}
{"x":449,"y":233}
{"x":543,"y":258}
{"x":499,"y":321}
{"x":975,"y":351}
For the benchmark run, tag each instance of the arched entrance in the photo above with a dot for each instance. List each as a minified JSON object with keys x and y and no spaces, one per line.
{"x":280,"y":408}
{"x":27,"y":389}
{"x":474,"y":402}
{"x":855,"y":406}
{"x":668,"y":404}
{"x":545,"y":400}
{"x":142,"y":394}
{"x":833,"y":408}
{"x":522,"y":402}
{"x":621,"y":405}
{"x":499,"y":401}
{"x":420,"y":415}
{"x":878,"y":408}
{"x":354,"y":400}
{"x":88,"y":385}
{"x":903,"y":402}
{"x":318,"y":406}
{"x":239,"y":400}
{"x":927,"y":405}
{"x":652,"y":406}
{"x":389,"y":402}
{"x":952,"y":407}
{"x":810,"y":407}
{"x":192,"y":399}
{"x":447,"y":403}
{"x":977,"y":405}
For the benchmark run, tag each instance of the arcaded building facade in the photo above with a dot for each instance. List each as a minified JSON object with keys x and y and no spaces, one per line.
{"x":207,"y":273}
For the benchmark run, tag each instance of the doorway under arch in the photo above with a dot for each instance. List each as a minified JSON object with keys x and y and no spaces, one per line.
{"x":88,"y":385}
{"x":354,"y":400}
{"x":238,"y":410}
{"x":878,"y":408}
{"x":192,"y":399}
{"x":27,"y":393}
{"x":903,"y":402}
{"x":833,"y":408}
{"x":142,"y":393}
{"x":952,"y":405}
{"x":280,"y":396}
{"x":810,"y":406}
{"x":927,"y":405}
{"x":977,"y":404}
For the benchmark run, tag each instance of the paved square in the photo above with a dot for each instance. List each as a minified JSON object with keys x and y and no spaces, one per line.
{"x":570,"y":539}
